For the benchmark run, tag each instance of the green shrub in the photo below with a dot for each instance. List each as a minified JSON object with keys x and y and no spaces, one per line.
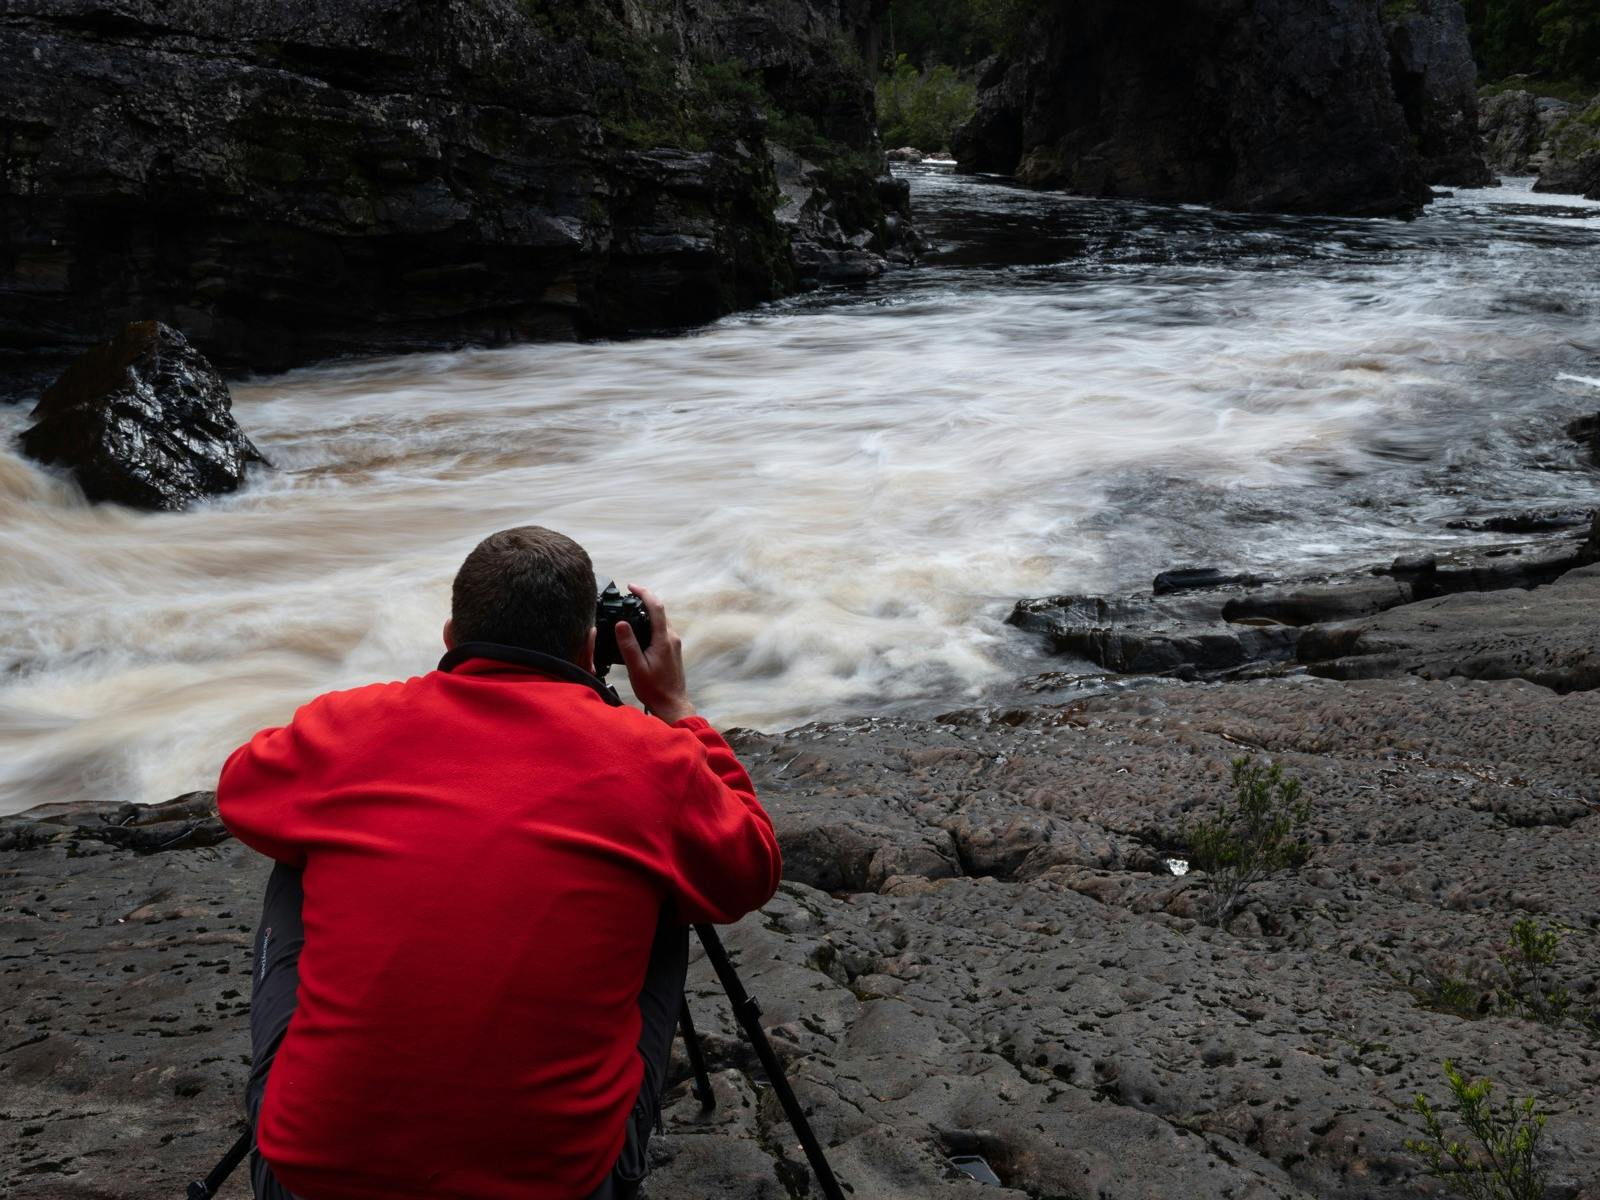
{"x":1261,"y":832}
{"x":1528,"y":962}
{"x":923,"y":108}
{"x":1503,"y":1164}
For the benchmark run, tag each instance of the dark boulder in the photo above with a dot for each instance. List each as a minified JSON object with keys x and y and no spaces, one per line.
{"x":1285,"y":105}
{"x":143,"y":420}
{"x":1436,"y":83}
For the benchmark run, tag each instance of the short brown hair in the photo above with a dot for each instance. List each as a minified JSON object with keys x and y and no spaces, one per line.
{"x":529,"y":587}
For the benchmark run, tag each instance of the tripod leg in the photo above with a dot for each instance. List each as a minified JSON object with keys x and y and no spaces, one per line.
{"x":748,"y":1013}
{"x":697,"y":1059}
{"x":203,"y":1189}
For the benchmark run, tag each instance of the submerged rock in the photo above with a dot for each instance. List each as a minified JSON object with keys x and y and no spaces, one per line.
{"x":143,"y":420}
{"x":1586,"y":432}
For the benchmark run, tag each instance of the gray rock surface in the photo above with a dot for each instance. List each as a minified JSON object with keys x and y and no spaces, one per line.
{"x":143,"y":420}
{"x":1547,"y":635}
{"x":1286,"y":105}
{"x":286,"y":182}
{"x":1017,"y":977}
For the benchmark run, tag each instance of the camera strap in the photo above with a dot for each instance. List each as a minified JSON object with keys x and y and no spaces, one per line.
{"x":545,"y":664}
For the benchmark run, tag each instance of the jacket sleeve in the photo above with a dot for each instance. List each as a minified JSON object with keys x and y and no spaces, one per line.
{"x":726,"y":856}
{"x":260,"y":791}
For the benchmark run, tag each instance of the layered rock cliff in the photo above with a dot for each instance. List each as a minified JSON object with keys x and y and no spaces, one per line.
{"x":285,"y":182}
{"x":1285,"y":105}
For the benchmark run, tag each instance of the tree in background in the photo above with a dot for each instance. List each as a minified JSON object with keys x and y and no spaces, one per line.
{"x":1556,"y":40}
{"x":923,"y":108}
{"x":926,"y":87}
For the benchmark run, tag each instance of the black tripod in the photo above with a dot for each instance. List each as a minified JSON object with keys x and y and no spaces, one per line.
{"x":745,"y":1010}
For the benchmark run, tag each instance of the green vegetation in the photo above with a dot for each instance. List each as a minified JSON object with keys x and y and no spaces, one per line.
{"x":927,"y":85}
{"x":923,"y":108}
{"x":1261,"y":832}
{"x":1528,"y":962}
{"x":1556,"y":41}
{"x":1503,"y":1164}
{"x":1527,"y":986}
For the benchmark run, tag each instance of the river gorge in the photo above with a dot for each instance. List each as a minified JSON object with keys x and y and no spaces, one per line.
{"x":840,"y":494}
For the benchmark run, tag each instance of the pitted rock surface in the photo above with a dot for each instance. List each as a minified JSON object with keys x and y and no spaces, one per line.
{"x":1009,"y":972}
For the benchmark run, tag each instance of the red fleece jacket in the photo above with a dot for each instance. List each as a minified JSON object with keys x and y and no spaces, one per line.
{"x":486,"y":854}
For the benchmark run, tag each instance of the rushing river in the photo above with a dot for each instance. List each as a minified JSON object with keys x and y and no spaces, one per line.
{"x":840,"y":496}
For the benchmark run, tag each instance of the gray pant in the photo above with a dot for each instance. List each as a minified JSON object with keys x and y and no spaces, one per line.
{"x":275,"y":976}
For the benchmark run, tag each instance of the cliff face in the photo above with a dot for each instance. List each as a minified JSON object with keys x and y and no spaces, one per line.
{"x":287,"y":181}
{"x":1436,"y":83}
{"x":1283,"y":105}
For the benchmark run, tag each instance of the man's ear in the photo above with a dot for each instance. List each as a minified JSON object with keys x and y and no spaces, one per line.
{"x":449,"y":634}
{"x":586,"y":655}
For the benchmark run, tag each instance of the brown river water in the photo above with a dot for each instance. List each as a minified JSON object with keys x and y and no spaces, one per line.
{"x":839,"y":496}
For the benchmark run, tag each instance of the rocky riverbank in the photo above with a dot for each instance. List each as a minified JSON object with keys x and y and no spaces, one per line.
{"x":381,"y":178}
{"x":979,"y":947}
{"x":1528,"y":134}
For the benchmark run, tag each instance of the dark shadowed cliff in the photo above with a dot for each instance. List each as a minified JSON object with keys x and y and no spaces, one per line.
{"x":1285,"y":105}
{"x":285,"y":182}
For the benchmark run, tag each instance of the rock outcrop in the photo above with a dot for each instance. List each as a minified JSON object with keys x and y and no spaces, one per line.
{"x":1286,"y":105}
{"x":285,"y":182}
{"x":1436,"y":83}
{"x":1515,"y":126}
{"x":143,"y":420}
{"x":1524,"y":612}
{"x":1573,"y":153}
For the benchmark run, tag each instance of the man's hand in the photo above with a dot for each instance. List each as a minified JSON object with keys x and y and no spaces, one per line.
{"x":657,"y":673}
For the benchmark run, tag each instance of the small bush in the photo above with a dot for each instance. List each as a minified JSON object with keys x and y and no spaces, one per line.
{"x":1261,"y":832}
{"x":1503,"y":1164}
{"x":1528,"y":962}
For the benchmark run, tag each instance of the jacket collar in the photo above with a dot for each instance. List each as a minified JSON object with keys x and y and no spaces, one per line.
{"x":545,"y":664}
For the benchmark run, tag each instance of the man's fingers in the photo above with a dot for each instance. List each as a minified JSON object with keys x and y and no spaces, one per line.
{"x":653,"y":606}
{"x":628,"y":645}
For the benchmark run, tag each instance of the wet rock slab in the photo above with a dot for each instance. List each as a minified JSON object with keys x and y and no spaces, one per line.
{"x":1009,"y":972}
{"x":1207,"y":623}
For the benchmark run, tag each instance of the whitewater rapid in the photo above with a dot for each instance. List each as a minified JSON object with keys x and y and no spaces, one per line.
{"x":839,"y":496}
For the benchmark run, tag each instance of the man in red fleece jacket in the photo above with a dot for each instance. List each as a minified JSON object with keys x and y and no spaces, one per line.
{"x":472,"y":952}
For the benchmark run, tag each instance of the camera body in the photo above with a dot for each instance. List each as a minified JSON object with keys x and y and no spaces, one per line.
{"x":611,"y":607}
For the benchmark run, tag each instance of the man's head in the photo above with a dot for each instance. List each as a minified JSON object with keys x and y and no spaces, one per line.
{"x":529,"y":587}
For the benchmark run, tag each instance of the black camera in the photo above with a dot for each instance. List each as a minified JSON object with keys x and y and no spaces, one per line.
{"x":612,"y":607}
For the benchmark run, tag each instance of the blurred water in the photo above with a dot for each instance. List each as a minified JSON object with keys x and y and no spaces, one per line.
{"x":841,"y":495}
